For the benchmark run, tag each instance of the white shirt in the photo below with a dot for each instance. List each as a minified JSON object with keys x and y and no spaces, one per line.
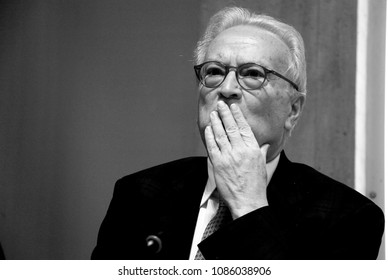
{"x":209,"y":203}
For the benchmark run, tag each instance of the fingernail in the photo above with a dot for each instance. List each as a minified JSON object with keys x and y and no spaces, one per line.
{"x":233,"y":107}
{"x":221,"y":104}
{"x":213,"y":114}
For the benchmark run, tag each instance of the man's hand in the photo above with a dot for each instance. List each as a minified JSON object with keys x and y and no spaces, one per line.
{"x":238,"y":162}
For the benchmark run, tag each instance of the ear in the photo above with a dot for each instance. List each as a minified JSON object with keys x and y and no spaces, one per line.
{"x":296,"y":110}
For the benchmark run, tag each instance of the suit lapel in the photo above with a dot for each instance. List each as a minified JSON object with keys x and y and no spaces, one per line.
{"x":178,"y":214}
{"x":286,"y":191}
{"x":177,"y":223}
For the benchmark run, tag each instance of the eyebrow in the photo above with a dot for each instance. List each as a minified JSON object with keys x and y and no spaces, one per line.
{"x":264,"y":64}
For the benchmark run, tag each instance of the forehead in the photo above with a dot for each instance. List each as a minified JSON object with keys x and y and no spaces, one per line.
{"x":242,"y":44}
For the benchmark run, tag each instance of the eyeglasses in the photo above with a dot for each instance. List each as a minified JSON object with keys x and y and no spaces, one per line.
{"x":249,"y":76}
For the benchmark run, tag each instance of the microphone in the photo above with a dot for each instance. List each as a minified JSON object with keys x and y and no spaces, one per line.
{"x":154,"y":244}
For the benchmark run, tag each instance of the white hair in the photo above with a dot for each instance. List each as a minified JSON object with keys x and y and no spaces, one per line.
{"x":233,"y":16}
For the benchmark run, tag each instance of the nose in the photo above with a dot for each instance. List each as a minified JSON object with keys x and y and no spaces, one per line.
{"x":230,"y":88}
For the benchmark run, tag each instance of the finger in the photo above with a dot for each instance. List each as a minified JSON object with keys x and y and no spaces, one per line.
{"x":230,"y":124}
{"x":219,"y":133}
{"x":244,"y":128}
{"x":211,"y":144}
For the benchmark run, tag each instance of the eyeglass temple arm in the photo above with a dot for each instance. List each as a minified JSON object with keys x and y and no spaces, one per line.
{"x":284,"y":78}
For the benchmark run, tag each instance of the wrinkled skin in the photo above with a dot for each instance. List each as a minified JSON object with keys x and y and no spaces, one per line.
{"x":242,"y":130}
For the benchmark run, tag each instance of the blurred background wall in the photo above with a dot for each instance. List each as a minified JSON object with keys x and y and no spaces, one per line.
{"x":92,"y":90}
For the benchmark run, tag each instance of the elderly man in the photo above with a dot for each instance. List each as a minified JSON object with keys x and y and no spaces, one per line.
{"x":246,"y":200}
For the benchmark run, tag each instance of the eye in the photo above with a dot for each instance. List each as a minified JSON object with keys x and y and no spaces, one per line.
{"x":213,"y":70}
{"x":253,"y":72}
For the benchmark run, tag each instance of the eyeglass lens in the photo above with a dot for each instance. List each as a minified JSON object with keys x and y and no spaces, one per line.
{"x":249,"y":76}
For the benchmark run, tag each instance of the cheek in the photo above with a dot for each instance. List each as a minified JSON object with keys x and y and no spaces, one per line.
{"x":257,"y":109}
{"x":206,"y":104}
{"x":266,"y":116}
{"x":259,"y":119}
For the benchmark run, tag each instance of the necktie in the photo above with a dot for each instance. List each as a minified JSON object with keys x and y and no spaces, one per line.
{"x":222,"y":216}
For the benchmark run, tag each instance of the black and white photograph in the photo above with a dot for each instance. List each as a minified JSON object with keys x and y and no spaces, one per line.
{"x":192,"y":130}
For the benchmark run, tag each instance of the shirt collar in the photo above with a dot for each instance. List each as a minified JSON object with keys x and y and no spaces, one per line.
{"x":211,"y":183}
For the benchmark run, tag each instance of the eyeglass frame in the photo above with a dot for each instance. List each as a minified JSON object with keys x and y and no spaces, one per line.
{"x":197,"y":69}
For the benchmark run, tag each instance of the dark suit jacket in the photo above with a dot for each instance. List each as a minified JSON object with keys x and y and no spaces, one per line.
{"x":310,"y":216}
